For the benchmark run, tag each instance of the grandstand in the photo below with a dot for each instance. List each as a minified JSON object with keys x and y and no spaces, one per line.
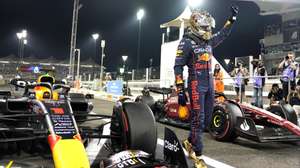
{"x":282,"y":35}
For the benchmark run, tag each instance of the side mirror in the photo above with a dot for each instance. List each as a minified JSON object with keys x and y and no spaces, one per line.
{"x":18,"y":83}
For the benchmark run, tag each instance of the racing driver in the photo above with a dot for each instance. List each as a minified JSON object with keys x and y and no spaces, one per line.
{"x":195,"y":51}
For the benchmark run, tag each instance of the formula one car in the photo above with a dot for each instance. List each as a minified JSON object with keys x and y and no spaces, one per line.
{"x":166,"y":109}
{"x":231,"y":119}
{"x":47,"y":125}
{"x":17,"y":103}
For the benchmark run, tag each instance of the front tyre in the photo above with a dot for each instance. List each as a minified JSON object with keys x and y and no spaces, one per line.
{"x":135,"y":126}
{"x":223,"y":122}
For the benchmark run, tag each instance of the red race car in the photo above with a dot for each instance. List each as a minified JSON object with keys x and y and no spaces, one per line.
{"x":230,"y":119}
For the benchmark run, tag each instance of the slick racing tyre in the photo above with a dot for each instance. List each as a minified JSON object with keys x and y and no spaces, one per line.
{"x":135,"y":127}
{"x":148,"y":100}
{"x":223,"y":122}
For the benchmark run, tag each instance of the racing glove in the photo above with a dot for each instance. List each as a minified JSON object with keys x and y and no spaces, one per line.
{"x":234,"y":13}
{"x":181,"y":95}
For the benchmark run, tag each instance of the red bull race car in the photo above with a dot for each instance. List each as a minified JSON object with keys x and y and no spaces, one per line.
{"x":50,"y":126}
{"x":230,"y":119}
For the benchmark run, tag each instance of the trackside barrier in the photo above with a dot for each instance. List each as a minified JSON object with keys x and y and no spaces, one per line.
{"x":137,"y":86}
{"x":101,"y":94}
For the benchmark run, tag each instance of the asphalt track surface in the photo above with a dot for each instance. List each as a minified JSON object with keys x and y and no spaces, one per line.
{"x":241,"y":154}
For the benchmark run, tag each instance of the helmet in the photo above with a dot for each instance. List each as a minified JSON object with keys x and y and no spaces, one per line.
{"x":46,"y":78}
{"x":201,"y":24}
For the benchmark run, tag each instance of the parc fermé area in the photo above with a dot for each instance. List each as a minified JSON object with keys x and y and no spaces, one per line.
{"x":162,"y":84}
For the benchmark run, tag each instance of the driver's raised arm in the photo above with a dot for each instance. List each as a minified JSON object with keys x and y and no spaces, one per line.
{"x":225,"y":31}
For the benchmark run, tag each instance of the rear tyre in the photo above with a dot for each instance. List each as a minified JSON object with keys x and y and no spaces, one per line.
{"x":223,"y":122}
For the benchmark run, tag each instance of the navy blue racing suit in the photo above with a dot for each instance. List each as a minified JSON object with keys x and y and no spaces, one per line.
{"x":196,"y":53}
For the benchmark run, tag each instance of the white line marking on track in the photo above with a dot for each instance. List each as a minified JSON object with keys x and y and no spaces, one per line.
{"x":208,"y":160}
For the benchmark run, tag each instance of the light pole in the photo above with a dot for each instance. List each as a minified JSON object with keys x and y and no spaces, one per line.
{"x":122,"y":71}
{"x":78,"y":63}
{"x":150,"y":68}
{"x":22,"y":42}
{"x":140,"y":14}
{"x":76,"y":8}
{"x":124,"y":58}
{"x":20,"y":36}
{"x":95,"y":37}
{"x":101,"y":66}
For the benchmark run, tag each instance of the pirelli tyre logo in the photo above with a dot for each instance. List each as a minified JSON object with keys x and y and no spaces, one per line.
{"x":172,"y":146}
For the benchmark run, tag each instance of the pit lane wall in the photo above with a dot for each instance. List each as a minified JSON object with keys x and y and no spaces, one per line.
{"x":101,"y":94}
{"x":2,"y":81}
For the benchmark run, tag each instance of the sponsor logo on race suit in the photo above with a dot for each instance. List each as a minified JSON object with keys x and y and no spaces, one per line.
{"x":171,"y":146}
{"x":203,"y":50}
{"x":203,"y":54}
{"x":179,"y":53}
{"x":195,"y":95}
{"x":204,"y":57}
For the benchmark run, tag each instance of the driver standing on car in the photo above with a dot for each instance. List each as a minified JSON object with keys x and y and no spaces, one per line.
{"x":195,"y":51}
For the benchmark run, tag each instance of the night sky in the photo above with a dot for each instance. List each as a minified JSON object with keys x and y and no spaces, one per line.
{"x":48,"y":23}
